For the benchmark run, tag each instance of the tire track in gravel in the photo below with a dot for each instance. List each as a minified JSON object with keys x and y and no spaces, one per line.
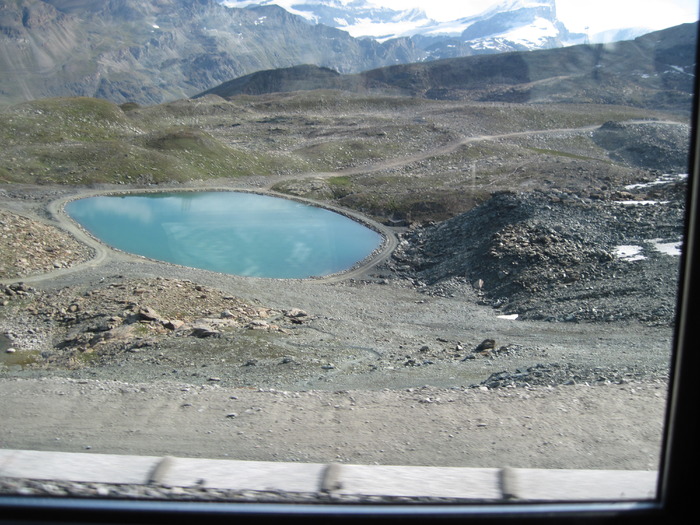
{"x":434,"y":152}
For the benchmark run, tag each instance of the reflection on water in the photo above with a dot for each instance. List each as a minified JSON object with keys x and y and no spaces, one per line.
{"x":228,"y":232}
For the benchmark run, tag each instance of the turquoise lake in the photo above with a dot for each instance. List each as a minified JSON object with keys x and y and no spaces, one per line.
{"x":229,"y":232}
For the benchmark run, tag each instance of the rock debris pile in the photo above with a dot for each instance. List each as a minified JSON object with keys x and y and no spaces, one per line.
{"x":657,"y":147}
{"x":73,"y":326}
{"x":556,"y":256}
{"x":554,"y":374}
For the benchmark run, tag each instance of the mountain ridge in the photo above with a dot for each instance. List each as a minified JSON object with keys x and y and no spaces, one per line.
{"x":656,"y":70}
{"x":160,"y":50}
{"x":149,"y":52}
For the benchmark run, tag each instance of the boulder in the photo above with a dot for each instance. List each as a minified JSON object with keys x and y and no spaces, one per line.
{"x":202,"y":331}
{"x":146,"y":313}
{"x":173,"y":324}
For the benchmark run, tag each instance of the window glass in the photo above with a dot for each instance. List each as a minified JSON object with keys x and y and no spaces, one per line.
{"x":510,"y":336}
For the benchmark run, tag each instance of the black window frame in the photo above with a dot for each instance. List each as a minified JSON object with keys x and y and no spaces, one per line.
{"x":677,"y":482}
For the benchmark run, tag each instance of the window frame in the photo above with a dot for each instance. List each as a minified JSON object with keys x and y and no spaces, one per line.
{"x":676,"y":489}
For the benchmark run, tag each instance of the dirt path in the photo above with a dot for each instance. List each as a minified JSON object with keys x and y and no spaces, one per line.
{"x":102,"y":253}
{"x":423,"y":155}
{"x":454,"y":146}
{"x":451,"y":148}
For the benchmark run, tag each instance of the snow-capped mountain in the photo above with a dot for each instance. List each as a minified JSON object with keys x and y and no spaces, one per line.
{"x":359,"y":18}
{"x":510,"y":25}
{"x":519,"y":25}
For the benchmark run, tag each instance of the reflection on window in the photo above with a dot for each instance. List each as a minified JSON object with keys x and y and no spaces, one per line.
{"x":510,"y":337}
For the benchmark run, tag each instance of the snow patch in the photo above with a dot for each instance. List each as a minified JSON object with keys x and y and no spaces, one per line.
{"x":667,"y":248}
{"x":509,"y":317}
{"x":679,"y":69}
{"x":454,"y":28}
{"x":387,"y":30}
{"x":629,"y":252}
{"x":632,"y":252}
{"x":667,"y":178}
{"x":641,"y":203}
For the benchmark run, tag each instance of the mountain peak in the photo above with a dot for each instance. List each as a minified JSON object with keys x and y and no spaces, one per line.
{"x":507,"y":26}
{"x":516,"y":24}
{"x":360,"y":18}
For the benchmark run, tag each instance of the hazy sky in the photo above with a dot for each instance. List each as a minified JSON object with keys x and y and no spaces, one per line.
{"x":576,"y":15}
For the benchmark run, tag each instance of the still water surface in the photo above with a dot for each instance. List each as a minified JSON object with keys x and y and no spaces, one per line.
{"x":228,"y":232}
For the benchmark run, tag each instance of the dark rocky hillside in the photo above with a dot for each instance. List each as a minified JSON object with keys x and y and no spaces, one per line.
{"x":556,"y":256}
{"x":659,"y":147}
{"x":655,"y":70}
{"x":297,"y":78}
{"x":158,"y":50}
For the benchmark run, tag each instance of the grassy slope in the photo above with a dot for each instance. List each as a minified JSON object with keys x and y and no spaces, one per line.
{"x":86,"y":141}
{"x":83,"y":141}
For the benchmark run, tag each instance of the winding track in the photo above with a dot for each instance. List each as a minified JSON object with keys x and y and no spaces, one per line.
{"x":103,"y":253}
{"x":446,"y":150}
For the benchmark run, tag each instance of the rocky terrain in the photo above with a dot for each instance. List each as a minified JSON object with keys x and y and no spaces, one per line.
{"x":609,"y":257}
{"x":28,"y":246}
{"x":559,"y":257}
{"x":115,"y":325}
{"x":514,"y":305}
